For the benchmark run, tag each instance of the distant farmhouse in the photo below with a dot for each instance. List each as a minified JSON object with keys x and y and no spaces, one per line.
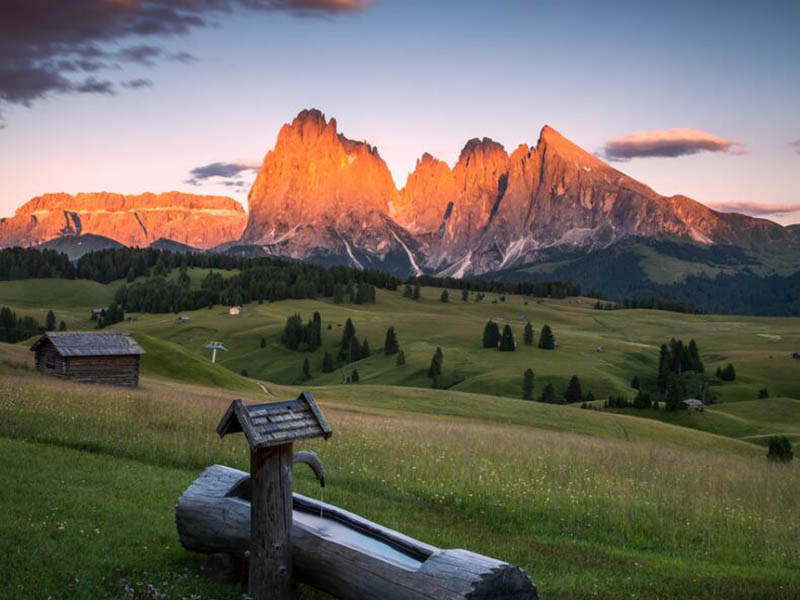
{"x":235,"y":310}
{"x":692,"y":404}
{"x":110,"y":358}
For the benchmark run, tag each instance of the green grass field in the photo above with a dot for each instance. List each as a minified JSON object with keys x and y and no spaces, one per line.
{"x":593,"y":504}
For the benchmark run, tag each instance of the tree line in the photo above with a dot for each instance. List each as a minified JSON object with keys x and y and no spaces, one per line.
{"x":15,"y":329}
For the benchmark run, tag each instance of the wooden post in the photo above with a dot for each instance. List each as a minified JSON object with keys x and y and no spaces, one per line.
{"x":270,"y":574}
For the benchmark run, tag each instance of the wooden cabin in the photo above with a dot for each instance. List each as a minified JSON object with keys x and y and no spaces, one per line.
{"x":111,"y":358}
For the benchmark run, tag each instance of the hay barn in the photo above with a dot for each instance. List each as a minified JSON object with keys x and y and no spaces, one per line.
{"x":110,"y":358}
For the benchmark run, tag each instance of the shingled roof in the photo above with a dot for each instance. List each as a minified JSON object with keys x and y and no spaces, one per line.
{"x":85,"y":343}
{"x":275,"y":423}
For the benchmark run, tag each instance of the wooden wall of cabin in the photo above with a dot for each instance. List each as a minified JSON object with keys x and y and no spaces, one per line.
{"x":49,"y":360}
{"x":113,"y":370}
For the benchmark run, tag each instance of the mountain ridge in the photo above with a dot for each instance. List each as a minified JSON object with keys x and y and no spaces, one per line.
{"x":324,"y":197}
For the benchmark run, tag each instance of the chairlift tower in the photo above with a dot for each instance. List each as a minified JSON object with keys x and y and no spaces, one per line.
{"x":214,"y":346}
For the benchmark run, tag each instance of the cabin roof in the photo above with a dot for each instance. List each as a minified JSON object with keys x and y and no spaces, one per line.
{"x":275,"y":423}
{"x":85,"y":343}
{"x":693,"y":402}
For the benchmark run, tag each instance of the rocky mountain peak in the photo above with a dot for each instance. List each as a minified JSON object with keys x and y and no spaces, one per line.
{"x":423,"y":202}
{"x":133,"y":220}
{"x":553,"y":145}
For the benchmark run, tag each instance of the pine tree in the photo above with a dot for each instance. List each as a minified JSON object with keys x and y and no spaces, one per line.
{"x":365,"y":351}
{"x":694,"y":357}
{"x":528,"y":378}
{"x":635,"y":383}
{"x":50,"y":321}
{"x":346,"y":346}
{"x":507,"y":343}
{"x":464,"y":295}
{"x":528,"y":335}
{"x":306,"y":369}
{"x":589,"y":397}
{"x":408,"y":292}
{"x":435,"y":368}
{"x":62,"y":326}
{"x":663,"y":367}
{"x":390,"y":346}
{"x":327,"y":363}
{"x":548,"y":394}
{"x":674,"y":393}
{"x":263,"y":342}
{"x":416,"y":291}
{"x":491,"y":335}
{"x":354,"y":377}
{"x":401,"y":358}
{"x":728,"y":373}
{"x":546,"y":339}
{"x":445,"y":297}
{"x":574,"y":392}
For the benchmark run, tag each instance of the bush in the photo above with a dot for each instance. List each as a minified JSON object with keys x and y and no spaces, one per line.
{"x":780,"y":449}
{"x":763,"y":393}
{"x":401,"y":358}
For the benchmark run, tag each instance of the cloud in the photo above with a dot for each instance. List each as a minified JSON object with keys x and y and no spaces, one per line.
{"x":136,"y":84}
{"x":755,"y":209}
{"x":142,"y":54}
{"x":48,"y":47}
{"x":231,"y":173}
{"x":796,"y":145}
{"x":668,"y":143}
{"x":93,"y":86}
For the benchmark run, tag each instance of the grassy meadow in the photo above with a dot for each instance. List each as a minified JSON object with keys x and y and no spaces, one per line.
{"x":593,"y":504}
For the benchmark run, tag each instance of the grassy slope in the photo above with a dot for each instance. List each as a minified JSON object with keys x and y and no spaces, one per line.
{"x":759,"y":347}
{"x":636,"y":507}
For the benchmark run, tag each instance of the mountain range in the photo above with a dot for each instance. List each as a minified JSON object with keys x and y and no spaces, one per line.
{"x":323,"y":197}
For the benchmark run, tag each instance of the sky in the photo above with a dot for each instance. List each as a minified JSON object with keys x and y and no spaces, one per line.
{"x":696,"y":98}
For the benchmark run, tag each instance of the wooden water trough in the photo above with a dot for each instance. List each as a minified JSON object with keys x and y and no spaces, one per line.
{"x":342,"y":553}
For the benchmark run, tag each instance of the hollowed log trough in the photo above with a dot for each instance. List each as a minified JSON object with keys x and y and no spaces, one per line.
{"x":340,"y":552}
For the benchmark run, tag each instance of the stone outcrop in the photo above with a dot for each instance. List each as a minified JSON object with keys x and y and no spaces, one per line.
{"x":197,"y":221}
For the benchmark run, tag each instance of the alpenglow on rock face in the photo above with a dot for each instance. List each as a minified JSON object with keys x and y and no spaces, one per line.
{"x":322,"y":196}
{"x":198,"y":221}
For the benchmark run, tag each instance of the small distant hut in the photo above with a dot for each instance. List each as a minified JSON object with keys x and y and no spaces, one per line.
{"x":111,"y":358}
{"x":182,"y":319}
{"x":692,"y":404}
{"x":235,"y":310}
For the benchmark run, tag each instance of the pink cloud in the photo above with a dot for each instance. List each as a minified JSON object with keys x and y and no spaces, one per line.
{"x":755,"y":209}
{"x":668,"y":143}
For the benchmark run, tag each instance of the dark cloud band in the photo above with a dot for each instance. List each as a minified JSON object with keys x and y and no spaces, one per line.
{"x":669,"y":143}
{"x":52,"y":46}
{"x":756,"y":209}
{"x":230,"y":172}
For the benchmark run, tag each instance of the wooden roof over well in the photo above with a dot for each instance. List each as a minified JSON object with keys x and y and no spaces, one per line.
{"x":86,"y":343}
{"x":275,"y":423}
